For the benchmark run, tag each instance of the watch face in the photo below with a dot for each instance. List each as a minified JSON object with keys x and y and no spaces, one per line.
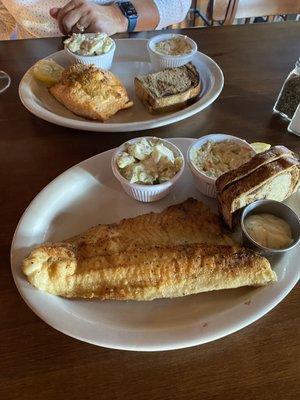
{"x":128,"y":8}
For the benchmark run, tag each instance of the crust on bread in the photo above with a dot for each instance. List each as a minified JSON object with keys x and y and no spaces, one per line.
{"x":275,"y":180}
{"x":167,"y":103}
{"x":91,"y":92}
{"x":171,"y":103}
{"x":272,"y":154}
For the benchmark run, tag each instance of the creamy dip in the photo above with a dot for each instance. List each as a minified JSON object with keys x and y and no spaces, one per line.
{"x":177,"y":46}
{"x":216,"y":158}
{"x":148,"y":162}
{"x":89,"y":44}
{"x":269,"y":230}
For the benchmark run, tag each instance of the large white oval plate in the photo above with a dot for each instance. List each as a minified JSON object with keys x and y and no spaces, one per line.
{"x":131,"y":59}
{"x":88,"y":194}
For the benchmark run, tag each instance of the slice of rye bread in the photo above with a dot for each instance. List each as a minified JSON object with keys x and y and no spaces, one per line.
{"x":276,"y":180}
{"x":272,"y":154}
{"x":168,"y":90}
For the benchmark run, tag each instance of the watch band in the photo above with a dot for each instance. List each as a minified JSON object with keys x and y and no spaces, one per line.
{"x":129,"y":11}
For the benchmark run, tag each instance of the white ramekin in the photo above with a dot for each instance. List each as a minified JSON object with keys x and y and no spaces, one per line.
{"x":161,"y":61}
{"x":204,"y":183}
{"x":146,"y":193}
{"x":103,"y":61}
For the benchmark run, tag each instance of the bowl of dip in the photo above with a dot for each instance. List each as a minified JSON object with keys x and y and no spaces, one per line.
{"x":270,"y":227}
{"x":170,"y":50}
{"x":212,"y":155}
{"x":147,"y":167}
{"x":91,"y":49}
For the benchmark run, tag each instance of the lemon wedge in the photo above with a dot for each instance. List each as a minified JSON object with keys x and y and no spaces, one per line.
{"x":259,"y":147}
{"x":48,"y":71}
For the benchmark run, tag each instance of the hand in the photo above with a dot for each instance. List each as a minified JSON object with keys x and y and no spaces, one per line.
{"x":93,"y":17}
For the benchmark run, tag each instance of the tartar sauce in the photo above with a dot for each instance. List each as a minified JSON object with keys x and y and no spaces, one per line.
{"x":269,"y":231}
{"x":173,"y":47}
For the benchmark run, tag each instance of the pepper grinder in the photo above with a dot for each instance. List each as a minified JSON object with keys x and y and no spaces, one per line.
{"x":289,"y":96}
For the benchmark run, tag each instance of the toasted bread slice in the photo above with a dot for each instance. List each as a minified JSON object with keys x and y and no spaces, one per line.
{"x":249,"y":167}
{"x":168,"y":90}
{"x":275,"y":180}
{"x":91,"y":92}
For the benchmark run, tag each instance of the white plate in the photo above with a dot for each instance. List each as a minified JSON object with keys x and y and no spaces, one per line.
{"x":88,"y":194}
{"x":131,"y":59}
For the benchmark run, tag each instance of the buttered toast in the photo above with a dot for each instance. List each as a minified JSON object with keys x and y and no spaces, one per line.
{"x":168,"y":90}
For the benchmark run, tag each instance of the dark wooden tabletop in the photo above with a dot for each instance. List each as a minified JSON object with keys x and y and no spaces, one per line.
{"x":37,"y":362}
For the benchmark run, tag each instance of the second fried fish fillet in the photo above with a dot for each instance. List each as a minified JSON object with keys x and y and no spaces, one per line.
{"x":145,"y":274}
{"x":185,"y":223}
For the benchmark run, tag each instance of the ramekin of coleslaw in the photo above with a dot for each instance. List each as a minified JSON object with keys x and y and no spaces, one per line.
{"x":212,"y":155}
{"x":147,"y":167}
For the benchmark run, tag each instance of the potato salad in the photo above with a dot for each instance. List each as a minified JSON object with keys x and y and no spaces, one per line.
{"x":89,"y":44}
{"x":148,"y":162}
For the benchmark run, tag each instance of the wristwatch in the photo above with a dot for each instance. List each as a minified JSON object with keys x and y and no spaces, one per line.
{"x":127,"y":9}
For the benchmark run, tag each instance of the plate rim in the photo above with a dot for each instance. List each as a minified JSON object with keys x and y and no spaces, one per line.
{"x":99,"y":127}
{"x":241,"y":322}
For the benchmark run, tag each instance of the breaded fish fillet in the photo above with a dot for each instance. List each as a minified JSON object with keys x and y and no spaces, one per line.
{"x":188,"y":222}
{"x":91,"y":92}
{"x":169,"y":254}
{"x":145,"y":274}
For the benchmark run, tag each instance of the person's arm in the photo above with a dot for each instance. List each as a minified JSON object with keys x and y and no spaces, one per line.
{"x":148,"y":15}
{"x":109,"y":18}
{"x":104,"y":18}
{"x":171,"y":11}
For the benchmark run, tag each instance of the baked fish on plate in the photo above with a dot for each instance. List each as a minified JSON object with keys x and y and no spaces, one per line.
{"x":91,"y":92}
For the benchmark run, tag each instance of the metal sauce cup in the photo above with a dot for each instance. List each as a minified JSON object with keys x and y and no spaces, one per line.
{"x":278,"y":209}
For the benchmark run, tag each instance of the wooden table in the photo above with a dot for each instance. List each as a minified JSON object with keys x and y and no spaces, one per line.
{"x":37,"y":362}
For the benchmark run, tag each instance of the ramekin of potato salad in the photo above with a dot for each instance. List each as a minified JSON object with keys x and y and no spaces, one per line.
{"x":147,"y":167}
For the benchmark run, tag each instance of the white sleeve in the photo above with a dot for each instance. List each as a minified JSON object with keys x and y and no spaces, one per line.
{"x":171,"y":11}
{"x":33,"y":15}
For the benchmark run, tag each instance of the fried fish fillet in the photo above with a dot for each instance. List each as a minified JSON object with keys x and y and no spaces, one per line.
{"x":91,"y":92}
{"x":188,"y":222}
{"x":177,"y":252}
{"x":145,"y":274}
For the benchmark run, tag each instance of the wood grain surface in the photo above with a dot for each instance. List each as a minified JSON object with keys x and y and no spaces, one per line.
{"x":37,"y":362}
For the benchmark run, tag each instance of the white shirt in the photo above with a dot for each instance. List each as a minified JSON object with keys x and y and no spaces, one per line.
{"x":33,"y":19}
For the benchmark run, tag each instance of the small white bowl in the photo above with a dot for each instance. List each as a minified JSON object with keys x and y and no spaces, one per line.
{"x":146,"y":193}
{"x":204,"y":183}
{"x":103,"y":61}
{"x":162,"y":61}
